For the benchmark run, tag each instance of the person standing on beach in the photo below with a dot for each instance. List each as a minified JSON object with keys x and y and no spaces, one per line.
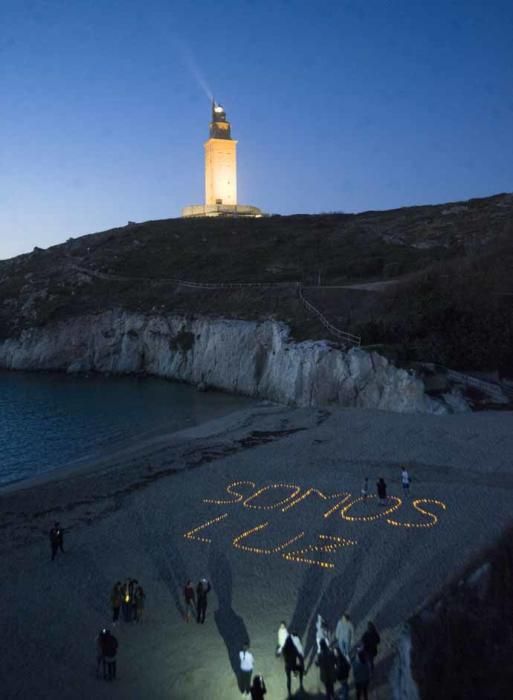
{"x":56,"y":539}
{"x":382,"y":491}
{"x":100,"y":661}
{"x":321,"y":632}
{"x":361,"y":675}
{"x":327,"y":669}
{"x":365,"y":489}
{"x":283,"y":633}
{"x":126,"y":606}
{"x":405,"y":480}
{"x":202,"y":591}
{"x":116,"y":599}
{"x":344,"y":633}
{"x":246,"y":669}
{"x":109,"y":646}
{"x":343,"y":668}
{"x":190,"y":605}
{"x":139,"y":598}
{"x":258,"y":689}
{"x":370,"y":643}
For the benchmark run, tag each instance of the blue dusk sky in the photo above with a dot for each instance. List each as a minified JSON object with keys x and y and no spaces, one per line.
{"x":338,"y":105}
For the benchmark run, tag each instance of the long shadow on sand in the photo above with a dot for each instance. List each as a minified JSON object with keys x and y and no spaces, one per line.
{"x":173,"y":572}
{"x":230,"y":625}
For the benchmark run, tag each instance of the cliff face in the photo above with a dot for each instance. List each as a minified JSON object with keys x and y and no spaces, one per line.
{"x":252,"y":358}
{"x":459,"y":646}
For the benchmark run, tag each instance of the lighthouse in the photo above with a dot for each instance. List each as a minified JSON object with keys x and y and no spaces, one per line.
{"x":220,"y":161}
{"x":220,"y":172}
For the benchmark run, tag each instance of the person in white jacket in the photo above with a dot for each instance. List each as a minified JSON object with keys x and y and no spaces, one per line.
{"x":321,"y":632}
{"x":344,"y":633}
{"x":246,"y":669}
{"x":283,"y":633}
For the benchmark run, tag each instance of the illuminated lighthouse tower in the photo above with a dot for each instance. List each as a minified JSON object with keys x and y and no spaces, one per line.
{"x":220,"y":161}
{"x":220,"y":173}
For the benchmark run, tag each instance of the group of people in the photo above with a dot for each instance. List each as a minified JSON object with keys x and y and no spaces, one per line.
{"x":338,"y":655}
{"x":196,"y":602}
{"x":381,"y":487}
{"x":128,"y":598}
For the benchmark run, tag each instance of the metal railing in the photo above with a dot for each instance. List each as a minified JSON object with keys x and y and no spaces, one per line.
{"x":344,"y":336}
{"x":348,"y":338}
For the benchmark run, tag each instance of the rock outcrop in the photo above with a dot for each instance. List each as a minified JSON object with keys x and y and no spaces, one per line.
{"x":252,"y":358}
{"x":459,"y":645}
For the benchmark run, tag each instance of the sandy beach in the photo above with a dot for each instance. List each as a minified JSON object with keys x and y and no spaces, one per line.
{"x":265,"y":504}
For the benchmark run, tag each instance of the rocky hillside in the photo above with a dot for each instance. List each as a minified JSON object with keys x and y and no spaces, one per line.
{"x":459,"y":646}
{"x":454,"y":262}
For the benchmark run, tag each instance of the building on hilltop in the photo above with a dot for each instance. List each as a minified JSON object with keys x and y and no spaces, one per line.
{"x":220,"y":173}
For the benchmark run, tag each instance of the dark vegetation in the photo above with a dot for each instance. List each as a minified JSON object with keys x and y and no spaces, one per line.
{"x":462,"y":641}
{"x":454,"y":263}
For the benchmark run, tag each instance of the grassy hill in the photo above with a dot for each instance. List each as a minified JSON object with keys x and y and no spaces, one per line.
{"x":454,"y":261}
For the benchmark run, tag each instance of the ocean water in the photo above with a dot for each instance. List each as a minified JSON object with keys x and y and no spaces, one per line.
{"x":49,"y":419}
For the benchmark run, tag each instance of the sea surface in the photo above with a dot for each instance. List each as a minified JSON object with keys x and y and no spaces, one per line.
{"x":49,"y":419}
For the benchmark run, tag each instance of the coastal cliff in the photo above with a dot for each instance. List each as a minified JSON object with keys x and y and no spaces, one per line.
{"x":459,"y":644}
{"x":257,"y":359}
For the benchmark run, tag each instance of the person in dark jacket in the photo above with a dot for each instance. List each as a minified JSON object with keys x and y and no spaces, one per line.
{"x":109,"y":647}
{"x":139,"y":599}
{"x":361,"y":675}
{"x":56,"y":539}
{"x":126,"y":605}
{"x":202,"y":591}
{"x":382,"y":491}
{"x":327,"y":669}
{"x":294,"y":662}
{"x":370,"y":643}
{"x":116,"y":599}
{"x":190,"y":603}
{"x":258,"y":689}
{"x":343,"y":668}
{"x":100,"y":661}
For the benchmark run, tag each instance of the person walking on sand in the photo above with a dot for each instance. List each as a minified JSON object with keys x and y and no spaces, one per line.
{"x":283,"y":633}
{"x":382,"y":491}
{"x":202,"y":591}
{"x":293,"y":659}
{"x":190,"y":605}
{"x":370,"y":643}
{"x":344,"y":633}
{"x":109,"y":645}
{"x":246,"y":669}
{"x":365,"y":489}
{"x":56,"y":539}
{"x":116,"y":599}
{"x":405,"y":481}
{"x":327,"y":669}
{"x":139,"y":598}
{"x":361,"y":675}
{"x":258,"y":689}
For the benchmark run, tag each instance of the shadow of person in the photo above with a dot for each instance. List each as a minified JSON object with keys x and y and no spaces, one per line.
{"x":231,"y":626}
{"x":173,"y":573}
